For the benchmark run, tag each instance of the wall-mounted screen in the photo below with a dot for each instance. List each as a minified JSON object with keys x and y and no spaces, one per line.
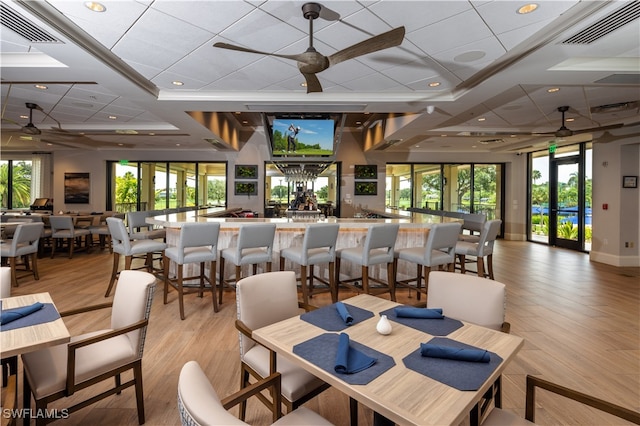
{"x":309,"y":137}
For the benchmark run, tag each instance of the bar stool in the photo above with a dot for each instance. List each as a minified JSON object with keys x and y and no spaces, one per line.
{"x":318,"y":247}
{"x":99,"y":227}
{"x":130,"y":249}
{"x":24,"y":244}
{"x":377,"y":249}
{"x":438,"y":250}
{"x":62,"y":228}
{"x":139,"y":229}
{"x":483,"y":248}
{"x":198,"y":243}
{"x":255,"y":245}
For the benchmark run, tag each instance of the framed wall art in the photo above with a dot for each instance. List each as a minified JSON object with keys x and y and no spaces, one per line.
{"x":366,"y":188}
{"x":365,"y":171}
{"x":246,"y":188}
{"x":246,"y":171}
{"x":77,"y":188}
{"x":629,"y":181}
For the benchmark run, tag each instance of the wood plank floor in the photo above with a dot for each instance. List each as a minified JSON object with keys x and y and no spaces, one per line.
{"x":580,"y":320}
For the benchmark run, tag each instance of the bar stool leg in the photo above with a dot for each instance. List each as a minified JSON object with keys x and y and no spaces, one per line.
{"x":303,"y":284}
{"x":114,"y":273}
{"x":390,"y":281}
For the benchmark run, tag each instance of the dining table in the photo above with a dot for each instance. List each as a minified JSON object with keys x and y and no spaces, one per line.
{"x":33,"y":332}
{"x":402,"y":386}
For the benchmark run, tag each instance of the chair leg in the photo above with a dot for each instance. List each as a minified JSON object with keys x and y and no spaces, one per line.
{"x":244,"y":382}
{"x":34,"y":265}
{"x":332,"y":282}
{"x":303,"y":284}
{"x":221,"y":279}
{"x":390,"y":281}
{"x":137,"y":374}
{"x":180,"y":291}
{"x":114,"y":273}
{"x":238,"y":273}
{"x":212,"y":281}
{"x":489,"y":266}
{"x":165,"y":272}
{"x":13,"y":264}
{"x":365,"y":279}
{"x":462,"y":259}
{"x":337,"y":276}
{"x":268,"y":266}
{"x":71,"y":243}
{"x":480,"y":263}
{"x":419,"y":274}
{"x":427,"y":271}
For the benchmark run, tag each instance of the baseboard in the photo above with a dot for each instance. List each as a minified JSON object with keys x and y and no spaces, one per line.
{"x":615,"y":260}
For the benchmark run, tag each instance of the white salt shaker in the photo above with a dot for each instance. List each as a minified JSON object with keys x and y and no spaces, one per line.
{"x":384,"y":326}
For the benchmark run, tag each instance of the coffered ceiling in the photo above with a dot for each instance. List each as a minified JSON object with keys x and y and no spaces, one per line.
{"x":468,"y":75}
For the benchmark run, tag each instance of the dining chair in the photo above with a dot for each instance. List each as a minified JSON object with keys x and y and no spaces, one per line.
{"x":438,"y":251}
{"x":318,"y":247}
{"x":473,"y":223}
{"x":23,"y":245}
{"x":199,"y":404}
{"x":501,"y":417}
{"x":139,"y":229}
{"x":254,"y":245}
{"x":198,"y":243}
{"x":480,"y":250}
{"x":63,"y":229}
{"x":99,"y":227}
{"x":469,"y":298}
{"x":377,"y":249}
{"x":262,"y":300}
{"x":122,"y":246}
{"x":60,"y":371}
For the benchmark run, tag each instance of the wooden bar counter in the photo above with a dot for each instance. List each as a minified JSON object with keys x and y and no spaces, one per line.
{"x":289,"y":232}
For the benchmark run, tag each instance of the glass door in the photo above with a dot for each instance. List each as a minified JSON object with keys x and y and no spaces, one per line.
{"x":567,"y":201}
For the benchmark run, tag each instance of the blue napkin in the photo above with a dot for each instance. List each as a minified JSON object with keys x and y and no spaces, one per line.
{"x":410,"y":312}
{"x":458,"y":354}
{"x":17,"y":313}
{"x":344,"y":313}
{"x":349,"y":360}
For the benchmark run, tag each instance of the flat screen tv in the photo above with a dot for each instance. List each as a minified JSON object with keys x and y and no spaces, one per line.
{"x":302,"y":136}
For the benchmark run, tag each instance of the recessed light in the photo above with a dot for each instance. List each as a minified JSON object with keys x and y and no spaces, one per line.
{"x":112,"y":117}
{"x":120,"y":144}
{"x":358,"y":123}
{"x":177,"y":83}
{"x":40,"y":86}
{"x":177,"y":144}
{"x":24,"y":116}
{"x":553,"y":90}
{"x":527,"y":8}
{"x":152,"y":134}
{"x":94,"y":6}
{"x":481,"y":119}
{"x":434,"y":84}
{"x":569,"y":119}
{"x":303,"y":84}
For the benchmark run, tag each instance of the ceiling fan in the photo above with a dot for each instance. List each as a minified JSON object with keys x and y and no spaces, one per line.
{"x":312,"y":62}
{"x":564,"y":131}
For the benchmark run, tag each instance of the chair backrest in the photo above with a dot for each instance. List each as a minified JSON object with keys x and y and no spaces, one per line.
{"x":443,"y":237}
{"x":198,"y":235}
{"x":253,"y":236}
{"x":136,"y":220}
{"x":474,"y":222}
{"x":5,"y":282}
{"x":380,"y":236}
{"x":264,"y":299}
{"x":61,"y":223}
{"x":468,"y":298}
{"x":119,"y":236}
{"x":320,"y":235}
{"x":132,"y":303}
{"x":488,"y":236}
{"x":26,"y":238}
{"x":198,"y":402}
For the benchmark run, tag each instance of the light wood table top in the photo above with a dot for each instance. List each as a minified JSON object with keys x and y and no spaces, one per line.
{"x":31,"y":338}
{"x":400,"y":394}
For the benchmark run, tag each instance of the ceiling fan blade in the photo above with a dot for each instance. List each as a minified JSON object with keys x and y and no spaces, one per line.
{"x":600,"y":128}
{"x":380,"y":42}
{"x":299,"y":57}
{"x":313,"y":84}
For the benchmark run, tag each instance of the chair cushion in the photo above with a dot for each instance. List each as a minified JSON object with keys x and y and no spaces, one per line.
{"x":416,"y":255}
{"x":149,"y":235}
{"x":296,"y":382}
{"x":249,"y":256}
{"x":47,"y":368}
{"x":302,"y":416}
{"x":314,"y":256}
{"x":191,"y":254}
{"x":376,"y":257}
{"x":140,"y":247}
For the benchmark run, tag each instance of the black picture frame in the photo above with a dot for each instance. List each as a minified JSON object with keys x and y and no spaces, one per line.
{"x":77,"y":188}
{"x":246,"y":171}
{"x":629,"y":181}
{"x":366,"y":188}
{"x":246,"y":188}
{"x":365,"y":171}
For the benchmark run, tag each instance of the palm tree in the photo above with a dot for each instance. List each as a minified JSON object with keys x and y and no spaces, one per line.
{"x":535,"y":175}
{"x":21,"y":184}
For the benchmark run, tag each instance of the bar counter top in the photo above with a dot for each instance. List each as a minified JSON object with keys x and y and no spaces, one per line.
{"x":175,"y":220}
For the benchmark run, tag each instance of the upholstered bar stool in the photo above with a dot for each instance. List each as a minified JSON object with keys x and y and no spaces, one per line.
{"x":122,"y":245}
{"x":198,"y":243}
{"x":24,"y":244}
{"x":139,"y":229}
{"x":483,"y":248}
{"x":254,"y":246}
{"x":438,"y":250}
{"x":318,"y":247}
{"x":377,"y":249}
{"x":99,"y":227}
{"x":62,"y":228}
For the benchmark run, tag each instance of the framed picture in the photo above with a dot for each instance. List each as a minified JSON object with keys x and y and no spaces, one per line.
{"x":246,"y":188}
{"x":629,"y":181}
{"x":366,"y":188}
{"x":77,"y":187}
{"x":365,"y":171}
{"x":246,"y":172}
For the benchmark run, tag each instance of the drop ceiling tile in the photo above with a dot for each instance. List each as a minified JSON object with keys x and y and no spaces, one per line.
{"x":417,"y":14}
{"x":502,"y":16}
{"x":212,"y":16}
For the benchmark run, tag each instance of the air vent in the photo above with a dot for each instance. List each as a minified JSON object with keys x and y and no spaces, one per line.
{"x":608,"y":24}
{"x":491,"y":141}
{"x":621,"y":106}
{"x":24,"y":28}
{"x":219,"y":145}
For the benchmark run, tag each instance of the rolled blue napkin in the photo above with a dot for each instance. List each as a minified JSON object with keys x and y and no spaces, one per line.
{"x":344,"y":313}
{"x":17,"y":313}
{"x":349,"y":360}
{"x":411,"y":312}
{"x":458,"y":354}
